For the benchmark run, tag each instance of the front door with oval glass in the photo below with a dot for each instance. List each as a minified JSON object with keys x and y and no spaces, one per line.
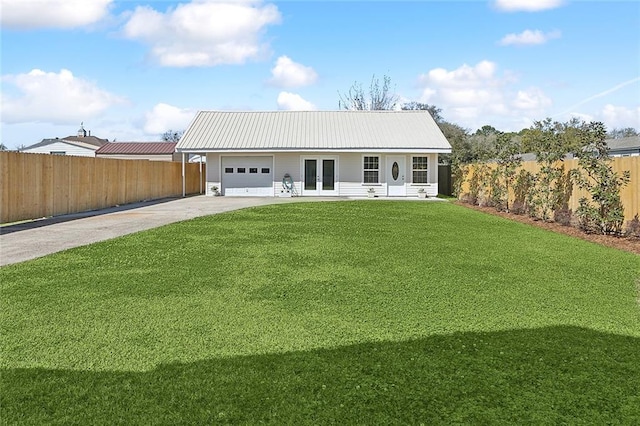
{"x":320,"y":176}
{"x":396,"y":176}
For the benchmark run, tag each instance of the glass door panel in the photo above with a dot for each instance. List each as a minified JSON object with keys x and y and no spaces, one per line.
{"x":310,"y":175}
{"x":328,"y":175}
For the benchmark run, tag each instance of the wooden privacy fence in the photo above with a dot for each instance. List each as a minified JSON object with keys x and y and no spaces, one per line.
{"x":629,"y":195}
{"x":42,"y":185}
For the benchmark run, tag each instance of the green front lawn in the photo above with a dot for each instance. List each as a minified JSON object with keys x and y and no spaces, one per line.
{"x":369,"y":312}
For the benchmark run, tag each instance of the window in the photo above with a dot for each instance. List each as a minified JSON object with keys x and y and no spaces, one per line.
{"x":253,"y":170}
{"x":419,"y":168}
{"x":241,"y":170}
{"x":58,"y":153}
{"x":371,"y":170}
{"x":265,"y":170}
{"x":228,"y":169}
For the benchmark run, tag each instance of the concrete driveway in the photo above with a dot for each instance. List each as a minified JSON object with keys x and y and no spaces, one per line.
{"x":38,"y":238}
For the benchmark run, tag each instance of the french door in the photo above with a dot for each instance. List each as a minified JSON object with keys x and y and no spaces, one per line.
{"x":319,"y":176}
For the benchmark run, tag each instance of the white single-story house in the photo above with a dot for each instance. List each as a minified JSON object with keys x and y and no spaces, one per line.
{"x":317,"y":153}
{"x":82,"y":145}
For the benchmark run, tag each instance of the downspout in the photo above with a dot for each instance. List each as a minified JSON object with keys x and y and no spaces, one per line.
{"x":200,"y":173}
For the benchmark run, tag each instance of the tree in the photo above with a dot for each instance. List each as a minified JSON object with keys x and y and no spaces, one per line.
{"x":458,"y":137}
{"x":622,"y":133}
{"x":417,"y":106}
{"x":379,"y":98}
{"x":172,"y":136}
{"x":486,"y":130}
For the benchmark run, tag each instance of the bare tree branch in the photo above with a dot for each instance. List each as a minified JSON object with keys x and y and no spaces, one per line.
{"x":380,"y":96}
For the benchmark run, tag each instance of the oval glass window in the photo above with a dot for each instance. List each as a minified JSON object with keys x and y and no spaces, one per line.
{"x":395,"y":170}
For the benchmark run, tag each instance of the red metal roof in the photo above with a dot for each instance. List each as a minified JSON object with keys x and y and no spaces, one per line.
{"x":139,"y":148}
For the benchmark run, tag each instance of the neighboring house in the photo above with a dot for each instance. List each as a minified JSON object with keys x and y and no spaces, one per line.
{"x":83,"y":145}
{"x":624,"y":147}
{"x":317,"y":153}
{"x":154,"y":151}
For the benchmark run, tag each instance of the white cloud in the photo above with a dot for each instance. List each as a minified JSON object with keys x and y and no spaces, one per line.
{"x":293,"y":102}
{"x":30,"y":14}
{"x":616,"y":117}
{"x":463,"y":77}
{"x":204,"y":33}
{"x":463,"y":87}
{"x":529,"y":37}
{"x":53,"y":97}
{"x":527,"y":5}
{"x":473,"y":96}
{"x":582,"y":116}
{"x":164,"y":117}
{"x":287,"y":73}
{"x":532,"y":99}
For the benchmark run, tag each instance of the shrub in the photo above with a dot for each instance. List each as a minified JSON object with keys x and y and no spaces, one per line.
{"x":563,"y":216}
{"x":633,"y":227}
{"x":459,"y":176}
{"x":477,"y":189}
{"x":522,"y":189}
{"x":603,"y":213}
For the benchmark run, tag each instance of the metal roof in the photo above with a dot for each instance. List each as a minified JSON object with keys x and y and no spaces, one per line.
{"x":137,"y":148}
{"x":630,"y":142}
{"x":313,"y":130}
{"x":90,"y":142}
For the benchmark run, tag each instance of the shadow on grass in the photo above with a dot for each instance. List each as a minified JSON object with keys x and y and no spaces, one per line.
{"x":549,"y":375}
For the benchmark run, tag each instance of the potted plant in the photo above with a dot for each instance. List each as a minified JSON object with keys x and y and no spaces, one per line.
{"x":214,"y":191}
{"x":422,"y":193}
{"x":371,"y":193}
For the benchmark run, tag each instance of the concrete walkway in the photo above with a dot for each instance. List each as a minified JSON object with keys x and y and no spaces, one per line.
{"x":38,"y":238}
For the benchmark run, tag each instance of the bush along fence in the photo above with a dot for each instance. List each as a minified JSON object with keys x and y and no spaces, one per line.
{"x":596,"y":193}
{"x":42,"y":185}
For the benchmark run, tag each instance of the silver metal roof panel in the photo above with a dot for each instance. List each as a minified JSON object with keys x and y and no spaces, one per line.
{"x":313,"y":130}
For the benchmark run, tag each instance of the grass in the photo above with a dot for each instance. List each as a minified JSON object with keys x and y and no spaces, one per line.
{"x":367,"y":312}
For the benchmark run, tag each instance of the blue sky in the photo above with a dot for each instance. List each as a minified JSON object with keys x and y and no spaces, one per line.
{"x":131,"y":70}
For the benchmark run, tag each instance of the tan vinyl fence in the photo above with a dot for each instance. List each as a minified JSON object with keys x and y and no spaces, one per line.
{"x":43,"y":185}
{"x":629,"y":195}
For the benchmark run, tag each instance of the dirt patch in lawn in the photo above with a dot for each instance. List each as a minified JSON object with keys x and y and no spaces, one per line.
{"x":630,"y":244}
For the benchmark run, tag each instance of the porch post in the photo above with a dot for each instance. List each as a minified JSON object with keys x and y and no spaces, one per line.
{"x":184,"y":187}
{"x":201,"y":173}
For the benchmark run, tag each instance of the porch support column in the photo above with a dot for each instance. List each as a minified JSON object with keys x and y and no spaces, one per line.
{"x":184,"y":185}
{"x":201,"y":173}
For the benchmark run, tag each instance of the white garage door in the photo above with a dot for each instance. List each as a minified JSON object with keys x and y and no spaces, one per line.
{"x":247,"y":176}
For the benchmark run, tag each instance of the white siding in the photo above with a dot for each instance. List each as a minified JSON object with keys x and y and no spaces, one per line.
{"x":287,"y":163}
{"x":213,"y":172}
{"x":61,"y":146}
{"x":349,"y":173}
